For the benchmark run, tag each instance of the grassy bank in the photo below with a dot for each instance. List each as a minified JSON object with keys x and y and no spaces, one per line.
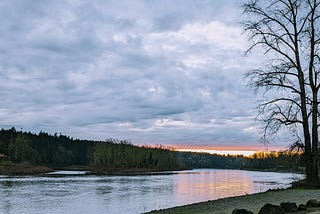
{"x":251,"y":202}
{"x":9,"y":168}
{"x":131,"y":172}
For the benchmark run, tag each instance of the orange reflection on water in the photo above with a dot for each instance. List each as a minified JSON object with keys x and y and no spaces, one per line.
{"x":214,"y":184}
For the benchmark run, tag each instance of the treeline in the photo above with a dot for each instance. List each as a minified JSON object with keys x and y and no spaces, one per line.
{"x":44,"y":149}
{"x":277,"y":161}
{"x":122,"y":155}
{"x":205,"y":160}
{"x":284,"y":160}
{"x":58,"y":151}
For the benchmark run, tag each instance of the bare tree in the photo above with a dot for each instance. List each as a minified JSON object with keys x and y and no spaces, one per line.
{"x":289,"y":32}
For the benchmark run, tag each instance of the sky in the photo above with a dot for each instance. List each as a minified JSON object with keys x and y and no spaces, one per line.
{"x":151,"y":72}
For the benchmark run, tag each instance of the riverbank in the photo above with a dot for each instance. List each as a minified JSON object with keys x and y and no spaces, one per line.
{"x":132,"y":171}
{"x":11,"y":169}
{"x":250,"y":202}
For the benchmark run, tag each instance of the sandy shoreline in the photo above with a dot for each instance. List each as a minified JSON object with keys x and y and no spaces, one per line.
{"x":251,"y":202}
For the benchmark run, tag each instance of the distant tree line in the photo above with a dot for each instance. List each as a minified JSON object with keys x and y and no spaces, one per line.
{"x":284,"y":160}
{"x":60,"y":151}
{"x":44,"y":149}
{"x":281,"y":161}
{"x":121,"y":155}
{"x":206,"y":160}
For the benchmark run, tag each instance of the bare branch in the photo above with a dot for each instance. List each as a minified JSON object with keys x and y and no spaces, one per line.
{"x":289,"y":30}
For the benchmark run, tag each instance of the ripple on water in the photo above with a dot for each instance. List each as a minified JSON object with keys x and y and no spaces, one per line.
{"x":130,"y":194}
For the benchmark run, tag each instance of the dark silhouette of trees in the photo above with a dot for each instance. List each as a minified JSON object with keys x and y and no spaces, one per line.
{"x":121,"y":155}
{"x":278,"y":161}
{"x":289,"y":32}
{"x":61,"y":151}
{"x":57,"y":151}
{"x":19,"y":150}
{"x":206,"y":160}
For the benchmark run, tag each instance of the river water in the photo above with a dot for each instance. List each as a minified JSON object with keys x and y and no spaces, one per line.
{"x":78,"y":194}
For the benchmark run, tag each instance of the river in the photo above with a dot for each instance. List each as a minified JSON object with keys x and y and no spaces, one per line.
{"x":75,"y":193}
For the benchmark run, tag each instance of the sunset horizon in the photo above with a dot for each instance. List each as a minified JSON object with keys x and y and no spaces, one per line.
{"x":225,"y":150}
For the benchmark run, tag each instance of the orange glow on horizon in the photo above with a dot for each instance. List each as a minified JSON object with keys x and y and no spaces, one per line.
{"x":219,"y":152}
{"x":225,"y":150}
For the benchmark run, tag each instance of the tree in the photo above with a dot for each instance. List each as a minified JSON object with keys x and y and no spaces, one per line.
{"x":20,"y":151}
{"x":289,"y":32}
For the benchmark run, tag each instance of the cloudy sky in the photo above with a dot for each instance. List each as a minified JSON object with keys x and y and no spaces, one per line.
{"x":152,"y":72}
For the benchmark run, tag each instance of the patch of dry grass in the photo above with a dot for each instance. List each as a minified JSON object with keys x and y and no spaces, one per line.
{"x":8,"y":168}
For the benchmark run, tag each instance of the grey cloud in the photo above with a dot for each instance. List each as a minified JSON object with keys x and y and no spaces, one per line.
{"x":101,"y":69}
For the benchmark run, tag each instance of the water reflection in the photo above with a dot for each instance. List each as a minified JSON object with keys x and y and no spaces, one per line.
{"x":130,"y":194}
{"x":215,"y":184}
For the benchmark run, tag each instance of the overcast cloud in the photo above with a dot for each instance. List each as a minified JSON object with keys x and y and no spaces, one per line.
{"x":152,"y":72}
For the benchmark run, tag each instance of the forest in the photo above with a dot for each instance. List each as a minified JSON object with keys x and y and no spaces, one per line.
{"x":58,"y":151}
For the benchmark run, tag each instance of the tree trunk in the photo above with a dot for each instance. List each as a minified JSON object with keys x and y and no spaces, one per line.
{"x":312,"y":177}
{"x":309,"y":161}
{"x":313,"y":80}
{"x":315,"y":176}
{"x":315,"y":139}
